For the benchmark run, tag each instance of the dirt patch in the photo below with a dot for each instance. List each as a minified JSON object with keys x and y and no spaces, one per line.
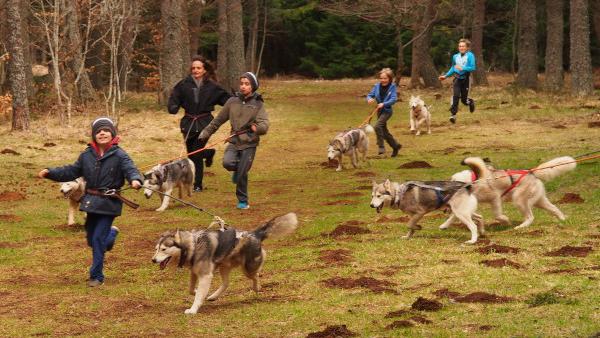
{"x":534,"y":233}
{"x":11,"y":245}
{"x":571,"y":198}
{"x":347,"y":194}
{"x":497,"y":249}
{"x":10,"y":218}
{"x":341,"y":202}
{"x":338,"y":257}
{"x":445,"y":293}
{"x":386,"y":219}
{"x":370,"y":283}
{"x":310,"y":128}
{"x":332,"y":332}
{"x":415,"y":165}
{"x":342,"y":230}
{"x":535,"y":106}
{"x":353,"y":222}
{"x":450,"y":261}
{"x":9,"y":196}
{"x":49,"y":144}
{"x":482,"y":297}
{"x":364,"y":187}
{"x":365,"y":174}
{"x":567,"y":271}
{"x":399,"y":324}
{"x":449,"y":150}
{"x":574,"y":251}
{"x":395,"y":314}
{"x":501,"y":262}
{"x":9,"y":151}
{"x":423,"y":304}
{"x":559,"y":126}
{"x":594,"y":124}
{"x":420,"y":320}
{"x":329,"y":164}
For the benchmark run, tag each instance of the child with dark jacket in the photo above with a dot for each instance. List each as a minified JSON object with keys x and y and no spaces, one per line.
{"x":197,"y":94}
{"x":248,"y":118}
{"x":104,"y":167}
{"x":463,"y":63}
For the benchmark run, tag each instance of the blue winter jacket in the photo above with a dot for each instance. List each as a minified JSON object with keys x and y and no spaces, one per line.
{"x":390,"y":98}
{"x":468,"y":67}
{"x":106,"y":172}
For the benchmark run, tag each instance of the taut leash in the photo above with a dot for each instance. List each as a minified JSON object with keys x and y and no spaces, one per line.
{"x":368,"y":119}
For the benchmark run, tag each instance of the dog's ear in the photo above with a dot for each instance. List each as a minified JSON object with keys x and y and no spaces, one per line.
{"x":177,"y":236}
{"x":374,"y":183}
{"x":387,"y":184}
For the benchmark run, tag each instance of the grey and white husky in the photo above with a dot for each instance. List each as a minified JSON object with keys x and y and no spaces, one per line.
{"x":205,"y":251}
{"x":417,"y":198}
{"x":523,"y":187}
{"x":165,"y":177}
{"x":73,"y":191}
{"x":348,"y":143}
{"x":419,"y":114}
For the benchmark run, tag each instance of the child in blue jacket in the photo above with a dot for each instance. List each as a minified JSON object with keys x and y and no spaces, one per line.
{"x":104,"y":167}
{"x":463,"y":63}
{"x":384,"y":94}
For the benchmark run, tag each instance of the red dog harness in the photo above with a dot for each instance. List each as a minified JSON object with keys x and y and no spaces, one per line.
{"x":521,"y":173}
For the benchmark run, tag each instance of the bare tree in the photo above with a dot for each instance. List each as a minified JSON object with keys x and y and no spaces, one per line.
{"x":554,"y":45}
{"x":422,"y":63}
{"x":231,"y":43}
{"x":527,"y":48}
{"x":479,"y":76}
{"x":172,"y":61}
{"x":18,"y":78}
{"x":581,"y":60}
{"x":79,"y":48}
{"x":223,"y":41}
{"x":252,"y":44}
{"x":129,"y":36}
{"x":595,"y":8}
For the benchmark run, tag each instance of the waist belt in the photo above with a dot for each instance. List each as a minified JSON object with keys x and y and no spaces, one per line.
{"x":112,"y":193}
{"x":195,"y":117}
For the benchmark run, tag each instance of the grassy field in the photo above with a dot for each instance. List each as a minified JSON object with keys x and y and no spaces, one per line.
{"x":317,"y":278}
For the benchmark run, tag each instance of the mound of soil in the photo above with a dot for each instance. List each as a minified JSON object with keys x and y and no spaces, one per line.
{"x":339,"y":256}
{"x":574,"y":251}
{"x":486,"y":327}
{"x":482,"y":297}
{"x":10,"y":218}
{"x":310,"y":128}
{"x":445,"y":293}
{"x":329,"y":164}
{"x":9,"y":151}
{"x":347,"y":194}
{"x":342,"y":230}
{"x":534,"y":233}
{"x":594,"y":124}
{"x":570,"y":197}
{"x":423,"y":304}
{"x":49,"y":144}
{"x":370,"y":283}
{"x":386,"y":219}
{"x":341,"y":202}
{"x":449,"y":150}
{"x":365,"y":174}
{"x":395,"y":314}
{"x":497,"y":249}
{"x":399,"y":324}
{"x":535,"y":106}
{"x":332,"y":332}
{"x":364,"y":187}
{"x":9,"y":196}
{"x":353,"y":222}
{"x":559,"y":126}
{"x":415,"y":164}
{"x":501,"y":262}
{"x":420,"y":320}
{"x":568,"y":271}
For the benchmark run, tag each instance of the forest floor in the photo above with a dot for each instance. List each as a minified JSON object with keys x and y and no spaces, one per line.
{"x":346,"y":270}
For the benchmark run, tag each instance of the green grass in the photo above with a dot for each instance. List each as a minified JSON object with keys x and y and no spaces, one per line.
{"x":43,"y":263}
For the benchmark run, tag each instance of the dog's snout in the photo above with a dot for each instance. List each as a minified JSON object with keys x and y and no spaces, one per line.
{"x":153,"y":260}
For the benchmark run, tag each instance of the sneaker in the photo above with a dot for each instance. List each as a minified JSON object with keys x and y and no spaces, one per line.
{"x":471,"y":105}
{"x":453,"y":118}
{"x":198,"y":188}
{"x":234,"y":177}
{"x":94,"y":282}
{"x":396,"y":149}
{"x":243,"y":205}
{"x":116,"y":231}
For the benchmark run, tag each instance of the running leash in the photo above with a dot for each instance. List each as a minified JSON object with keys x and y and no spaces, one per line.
{"x":368,"y":119}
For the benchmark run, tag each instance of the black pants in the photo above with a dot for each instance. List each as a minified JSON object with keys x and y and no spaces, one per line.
{"x":460,"y":88}
{"x":192,"y":144}
{"x":239,"y":161}
{"x":382,"y":131}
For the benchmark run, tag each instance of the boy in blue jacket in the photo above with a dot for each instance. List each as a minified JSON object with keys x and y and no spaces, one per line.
{"x":104,"y":167}
{"x":384,"y":95}
{"x":463,"y":63}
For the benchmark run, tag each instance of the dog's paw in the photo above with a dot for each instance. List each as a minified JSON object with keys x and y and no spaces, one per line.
{"x":190,"y":311}
{"x":418,"y":133}
{"x":472,"y":241}
{"x":522,"y":226}
{"x":444,"y":226}
{"x":211,"y":299}
{"x":338,"y":169}
{"x":160,"y":209}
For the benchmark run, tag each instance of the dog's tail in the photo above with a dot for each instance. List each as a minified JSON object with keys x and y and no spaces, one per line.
{"x":368,"y":129}
{"x":478,"y":166}
{"x":277,"y":227}
{"x":554,"y":168}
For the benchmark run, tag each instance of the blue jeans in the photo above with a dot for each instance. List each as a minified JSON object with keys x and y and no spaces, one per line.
{"x":99,"y":236}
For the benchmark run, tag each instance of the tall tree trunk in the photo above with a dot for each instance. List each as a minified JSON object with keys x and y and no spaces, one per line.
{"x":85,"y":90}
{"x":428,"y":71}
{"x":195,"y":24}
{"x":252,"y":45}
{"x":554,"y":45}
{"x":223,"y":41}
{"x":130,"y":31}
{"x":581,"y":60}
{"x":18,"y":77}
{"x":172,"y":64}
{"x":25,"y":16}
{"x":416,"y":61}
{"x":399,"y":55}
{"x":595,"y":7}
{"x":235,"y":46}
{"x":527,"y":48}
{"x":184,"y":41}
{"x":479,"y":76}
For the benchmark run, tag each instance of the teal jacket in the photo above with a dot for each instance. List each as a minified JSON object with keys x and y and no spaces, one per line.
{"x":468,"y":66}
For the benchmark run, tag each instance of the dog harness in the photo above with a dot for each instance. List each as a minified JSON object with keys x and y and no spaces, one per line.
{"x":522,"y":173}
{"x":353,"y":134}
{"x":441,"y":199}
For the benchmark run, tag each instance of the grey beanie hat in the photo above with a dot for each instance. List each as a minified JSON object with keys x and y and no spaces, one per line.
{"x":252,"y":78}
{"x":103,"y":123}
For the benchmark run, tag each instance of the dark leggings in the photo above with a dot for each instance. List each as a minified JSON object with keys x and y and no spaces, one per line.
{"x":192,"y":144}
{"x":382,"y":131}
{"x":239,"y":161}
{"x":460,"y":93}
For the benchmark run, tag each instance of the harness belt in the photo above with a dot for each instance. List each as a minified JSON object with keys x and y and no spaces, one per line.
{"x":522,"y":174}
{"x":112,"y":193}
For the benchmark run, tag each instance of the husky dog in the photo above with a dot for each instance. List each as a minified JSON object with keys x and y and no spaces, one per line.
{"x":417,"y":198}
{"x":73,"y":190}
{"x":348,"y":142}
{"x":165,"y":177}
{"x":205,"y":251}
{"x":524,"y":188}
{"x":419,"y":113}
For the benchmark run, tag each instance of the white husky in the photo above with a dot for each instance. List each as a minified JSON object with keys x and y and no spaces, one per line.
{"x":73,"y":190}
{"x":419,"y":113}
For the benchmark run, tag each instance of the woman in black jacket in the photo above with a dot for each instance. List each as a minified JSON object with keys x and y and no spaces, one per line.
{"x":197,"y":94}
{"x":104,"y":166}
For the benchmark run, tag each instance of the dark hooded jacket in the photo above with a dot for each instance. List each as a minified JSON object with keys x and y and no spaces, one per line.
{"x":106,"y":172}
{"x":196,"y":101}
